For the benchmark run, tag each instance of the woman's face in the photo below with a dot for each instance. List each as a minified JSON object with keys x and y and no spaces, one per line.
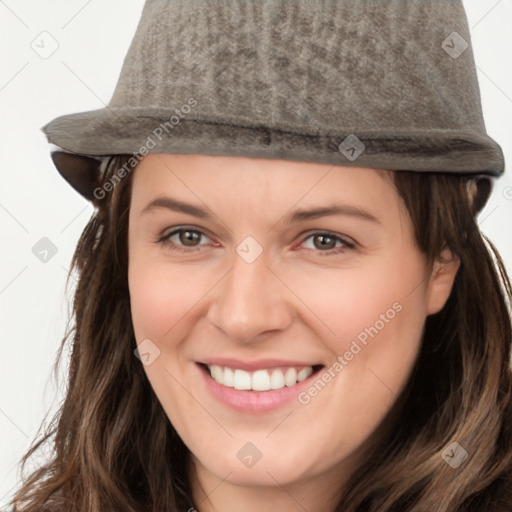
{"x":281,"y":268}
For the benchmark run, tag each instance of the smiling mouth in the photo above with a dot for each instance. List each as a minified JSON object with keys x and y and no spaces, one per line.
{"x":260,"y":380}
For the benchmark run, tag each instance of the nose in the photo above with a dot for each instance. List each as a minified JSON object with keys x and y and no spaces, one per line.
{"x":250,"y":301}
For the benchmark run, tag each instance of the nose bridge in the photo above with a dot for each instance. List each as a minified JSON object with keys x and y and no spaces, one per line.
{"x":250,"y":301}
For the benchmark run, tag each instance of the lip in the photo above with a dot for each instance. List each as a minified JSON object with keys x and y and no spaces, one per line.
{"x":252,"y":366}
{"x":248,"y":401}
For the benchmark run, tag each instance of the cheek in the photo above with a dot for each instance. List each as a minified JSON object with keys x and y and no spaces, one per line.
{"x":161,"y":295}
{"x":151,"y":303}
{"x":150,"y":316}
{"x":386,"y":289}
{"x":373,"y":318}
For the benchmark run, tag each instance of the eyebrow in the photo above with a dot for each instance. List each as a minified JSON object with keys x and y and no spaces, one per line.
{"x":315,"y":213}
{"x":168,"y":203}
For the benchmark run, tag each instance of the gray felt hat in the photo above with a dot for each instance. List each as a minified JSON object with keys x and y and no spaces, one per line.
{"x":386,"y":84}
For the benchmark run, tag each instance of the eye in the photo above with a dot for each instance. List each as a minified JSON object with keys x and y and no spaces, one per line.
{"x":188,"y":240}
{"x":183,"y":237}
{"x":329,"y":243}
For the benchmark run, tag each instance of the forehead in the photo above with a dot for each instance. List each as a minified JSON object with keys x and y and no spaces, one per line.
{"x":249,"y":180}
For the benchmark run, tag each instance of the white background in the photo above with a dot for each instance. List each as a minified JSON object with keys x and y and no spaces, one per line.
{"x":93,"y":37}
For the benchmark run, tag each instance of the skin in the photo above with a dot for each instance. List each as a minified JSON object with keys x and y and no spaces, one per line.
{"x":293,"y":302}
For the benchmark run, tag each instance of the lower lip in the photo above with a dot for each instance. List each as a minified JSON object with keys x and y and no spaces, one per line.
{"x":254,"y":401}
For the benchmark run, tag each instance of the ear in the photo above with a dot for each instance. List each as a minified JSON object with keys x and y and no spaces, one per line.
{"x":441,"y":281}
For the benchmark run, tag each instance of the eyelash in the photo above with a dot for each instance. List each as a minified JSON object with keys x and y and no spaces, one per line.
{"x":347,"y":245}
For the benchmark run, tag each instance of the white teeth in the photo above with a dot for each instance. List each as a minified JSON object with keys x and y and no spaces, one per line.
{"x":228,"y":378}
{"x":290,"y":377}
{"x":277,"y":380}
{"x":260,"y":380}
{"x":304,"y":373}
{"x":242,"y":380}
{"x":217,"y":372}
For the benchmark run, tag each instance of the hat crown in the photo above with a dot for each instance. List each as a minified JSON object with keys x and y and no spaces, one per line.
{"x":366,"y":65}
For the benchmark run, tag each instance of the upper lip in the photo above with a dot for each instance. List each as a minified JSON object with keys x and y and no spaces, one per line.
{"x":251,"y":366}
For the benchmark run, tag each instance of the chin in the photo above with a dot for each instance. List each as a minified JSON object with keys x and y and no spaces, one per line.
{"x":268,"y":471}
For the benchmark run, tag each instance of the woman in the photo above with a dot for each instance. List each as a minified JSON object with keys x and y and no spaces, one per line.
{"x":277,"y":309}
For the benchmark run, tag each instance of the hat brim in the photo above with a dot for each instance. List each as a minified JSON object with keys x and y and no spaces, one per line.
{"x":110,"y":131}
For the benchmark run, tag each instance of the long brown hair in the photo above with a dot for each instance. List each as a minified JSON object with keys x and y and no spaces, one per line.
{"x":114,"y":448}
